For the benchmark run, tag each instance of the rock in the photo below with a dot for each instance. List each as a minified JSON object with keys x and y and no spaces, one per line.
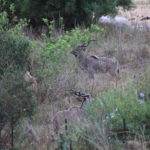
{"x":117,"y":20}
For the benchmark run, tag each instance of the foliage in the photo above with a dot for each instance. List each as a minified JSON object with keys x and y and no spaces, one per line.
{"x":14,"y":49}
{"x":73,"y":12}
{"x":14,"y":52}
{"x":55,"y":59}
{"x":3,"y":20}
{"x":15,"y":97}
{"x":125,"y":4}
{"x":57,"y":47}
{"x":117,"y":112}
{"x":16,"y":100}
{"x":143,"y":80}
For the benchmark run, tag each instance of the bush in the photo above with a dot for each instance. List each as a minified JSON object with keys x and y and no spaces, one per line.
{"x":16,"y":101}
{"x":14,"y":48}
{"x":73,"y":12}
{"x":118,"y":114}
{"x":58,"y":46}
{"x":143,"y":86}
{"x":57,"y":60}
{"x":14,"y":52}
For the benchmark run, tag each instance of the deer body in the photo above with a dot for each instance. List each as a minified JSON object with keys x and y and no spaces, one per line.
{"x":71,"y":117}
{"x":63,"y":118}
{"x":95,"y":64}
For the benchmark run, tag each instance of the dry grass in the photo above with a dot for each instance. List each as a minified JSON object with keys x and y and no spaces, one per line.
{"x":135,"y":145}
{"x":131,"y":48}
{"x":142,"y":9}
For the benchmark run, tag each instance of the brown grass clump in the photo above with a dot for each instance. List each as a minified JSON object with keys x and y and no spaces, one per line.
{"x":135,"y":145}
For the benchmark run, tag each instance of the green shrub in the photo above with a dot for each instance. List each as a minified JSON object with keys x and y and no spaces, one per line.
{"x":14,"y":52}
{"x":58,"y":47}
{"x":73,"y":12}
{"x":14,"y":47}
{"x":143,"y":80}
{"x":16,"y":101}
{"x":56,"y":62}
{"x":117,"y":112}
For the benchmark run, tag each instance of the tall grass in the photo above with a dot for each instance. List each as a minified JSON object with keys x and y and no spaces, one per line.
{"x":119,"y":115}
{"x":112,"y":106}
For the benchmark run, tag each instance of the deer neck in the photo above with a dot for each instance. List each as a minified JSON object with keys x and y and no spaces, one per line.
{"x":81,"y":57}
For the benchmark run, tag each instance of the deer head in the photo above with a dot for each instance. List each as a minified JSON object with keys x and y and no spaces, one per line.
{"x":81,"y":48}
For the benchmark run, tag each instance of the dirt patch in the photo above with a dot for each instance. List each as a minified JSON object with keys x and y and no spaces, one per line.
{"x":141,"y":10}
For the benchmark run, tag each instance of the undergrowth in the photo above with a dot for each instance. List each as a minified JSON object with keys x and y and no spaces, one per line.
{"x":117,"y":115}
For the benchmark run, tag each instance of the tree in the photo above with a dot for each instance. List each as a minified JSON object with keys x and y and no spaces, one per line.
{"x":14,"y":53}
{"x":16,"y":101}
{"x":74,"y":12}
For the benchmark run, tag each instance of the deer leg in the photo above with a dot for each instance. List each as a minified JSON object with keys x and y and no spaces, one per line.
{"x":117,"y":76}
{"x":56,"y":127}
{"x":116,"y":80}
{"x":91,"y":74}
{"x":66,"y":127}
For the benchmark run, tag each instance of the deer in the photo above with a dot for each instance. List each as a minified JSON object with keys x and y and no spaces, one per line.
{"x":73,"y":116}
{"x":63,"y":118}
{"x":95,"y":64}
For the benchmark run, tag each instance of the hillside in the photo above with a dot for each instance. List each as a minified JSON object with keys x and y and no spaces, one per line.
{"x":82,"y":89}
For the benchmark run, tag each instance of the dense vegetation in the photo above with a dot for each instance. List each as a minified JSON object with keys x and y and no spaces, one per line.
{"x":116,"y":116}
{"x":16,"y":100}
{"x":74,"y":12}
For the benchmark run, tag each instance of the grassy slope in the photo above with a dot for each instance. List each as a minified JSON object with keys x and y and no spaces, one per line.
{"x":130,"y":48}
